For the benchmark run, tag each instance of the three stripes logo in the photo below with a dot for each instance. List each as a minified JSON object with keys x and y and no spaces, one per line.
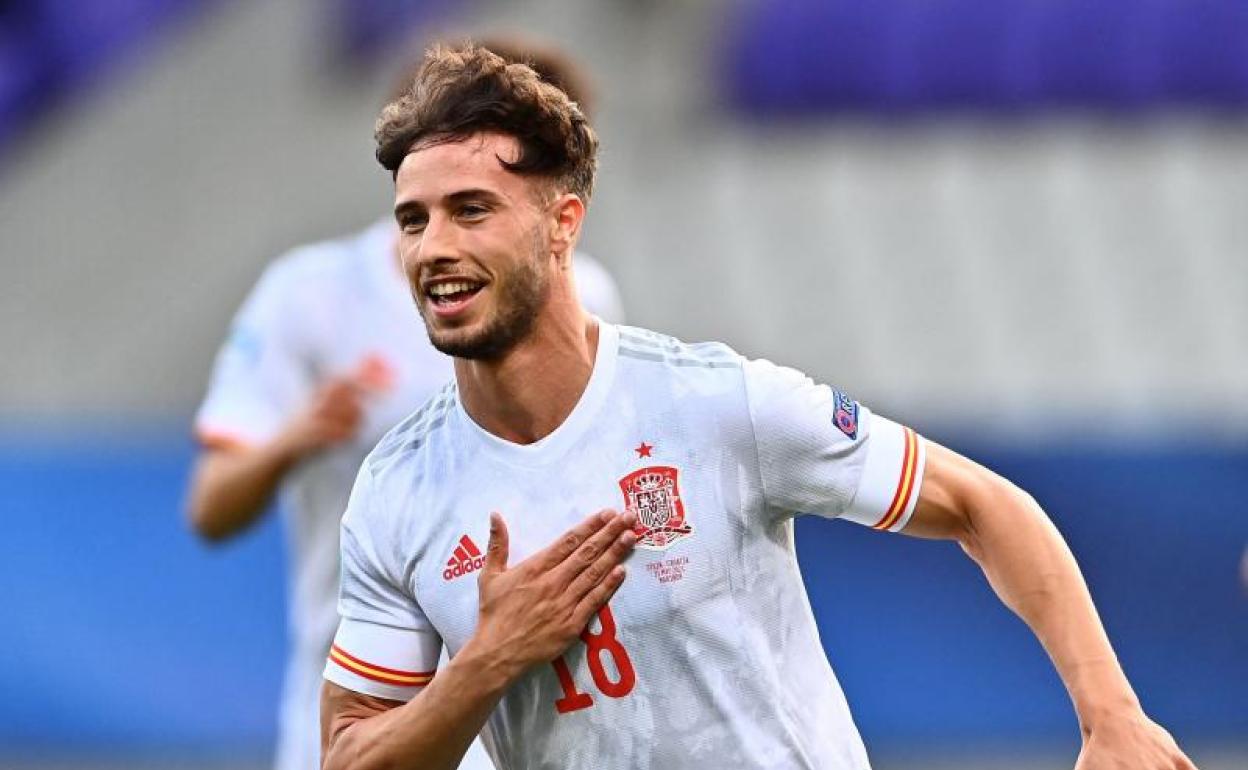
{"x":467,"y":558}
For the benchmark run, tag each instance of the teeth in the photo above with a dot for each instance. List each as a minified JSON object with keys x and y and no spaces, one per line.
{"x":443,"y":289}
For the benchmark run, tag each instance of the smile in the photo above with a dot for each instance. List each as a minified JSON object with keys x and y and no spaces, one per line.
{"x":448,"y":298}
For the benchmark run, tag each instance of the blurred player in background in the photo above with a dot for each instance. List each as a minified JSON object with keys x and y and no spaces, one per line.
{"x":707,"y":656}
{"x":326,"y":354}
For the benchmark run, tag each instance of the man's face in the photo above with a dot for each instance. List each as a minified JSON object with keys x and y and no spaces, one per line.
{"x":475,"y":243}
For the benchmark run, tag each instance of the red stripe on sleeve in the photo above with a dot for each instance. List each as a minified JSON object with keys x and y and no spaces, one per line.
{"x":395,"y":671}
{"x":905,"y":484}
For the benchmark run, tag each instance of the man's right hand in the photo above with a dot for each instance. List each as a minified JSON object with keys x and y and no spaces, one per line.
{"x":530,"y":613}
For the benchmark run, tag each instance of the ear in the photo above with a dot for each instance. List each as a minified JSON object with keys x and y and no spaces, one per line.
{"x":567,"y":213}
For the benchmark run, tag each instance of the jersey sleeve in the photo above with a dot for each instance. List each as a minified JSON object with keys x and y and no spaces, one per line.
{"x":821,"y":452}
{"x":261,"y":374}
{"x":384,"y":647}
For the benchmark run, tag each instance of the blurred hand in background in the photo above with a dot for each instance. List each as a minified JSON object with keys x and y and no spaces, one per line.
{"x":234,"y":483}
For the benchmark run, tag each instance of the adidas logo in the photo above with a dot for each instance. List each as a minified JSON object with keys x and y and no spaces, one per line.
{"x":467,"y":558}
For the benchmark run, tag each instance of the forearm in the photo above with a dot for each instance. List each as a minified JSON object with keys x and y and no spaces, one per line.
{"x":231,"y":488}
{"x":432,"y":731}
{"x":1033,"y":571}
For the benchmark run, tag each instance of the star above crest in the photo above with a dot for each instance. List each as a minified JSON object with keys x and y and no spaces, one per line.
{"x":643,"y":450}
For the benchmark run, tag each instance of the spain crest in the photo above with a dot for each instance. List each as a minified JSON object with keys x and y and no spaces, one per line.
{"x":652,"y":494}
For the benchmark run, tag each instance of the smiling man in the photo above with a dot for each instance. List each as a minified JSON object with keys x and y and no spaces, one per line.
{"x":323,"y":358}
{"x":707,"y":655}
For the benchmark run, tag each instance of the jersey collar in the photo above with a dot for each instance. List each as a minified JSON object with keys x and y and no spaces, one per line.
{"x":577,"y":423}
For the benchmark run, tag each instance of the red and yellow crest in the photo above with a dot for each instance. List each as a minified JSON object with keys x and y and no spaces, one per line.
{"x":652,"y":494}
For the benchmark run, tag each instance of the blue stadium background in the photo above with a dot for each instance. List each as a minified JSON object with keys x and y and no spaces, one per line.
{"x":123,"y":633}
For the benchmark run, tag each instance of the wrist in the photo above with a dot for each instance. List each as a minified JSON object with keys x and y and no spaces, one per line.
{"x":1104,"y":698}
{"x":1094,"y":713}
{"x":289,"y":447}
{"x":493,"y":671}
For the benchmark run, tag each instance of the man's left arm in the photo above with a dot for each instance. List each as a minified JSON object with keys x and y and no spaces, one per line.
{"x":1034,"y":573}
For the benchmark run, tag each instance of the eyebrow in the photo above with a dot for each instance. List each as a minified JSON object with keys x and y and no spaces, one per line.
{"x":407,"y":207}
{"x":455,"y":197}
{"x":476,"y":192}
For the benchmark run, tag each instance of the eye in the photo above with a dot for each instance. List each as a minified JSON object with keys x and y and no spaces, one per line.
{"x":473,"y":211}
{"x":413,"y":223}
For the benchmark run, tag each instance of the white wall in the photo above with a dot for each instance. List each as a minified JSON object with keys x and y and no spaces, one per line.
{"x":1009,"y":276}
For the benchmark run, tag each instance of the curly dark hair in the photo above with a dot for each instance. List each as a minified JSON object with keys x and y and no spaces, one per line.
{"x":464,"y":89}
{"x":552,"y":63}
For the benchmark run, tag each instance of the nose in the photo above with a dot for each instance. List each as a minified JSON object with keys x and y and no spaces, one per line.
{"x":437,"y":242}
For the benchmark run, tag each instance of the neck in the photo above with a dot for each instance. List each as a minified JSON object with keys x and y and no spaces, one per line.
{"x":526,"y":394}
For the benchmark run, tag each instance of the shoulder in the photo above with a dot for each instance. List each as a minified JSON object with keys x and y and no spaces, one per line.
{"x":714,"y":367}
{"x":407,"y":444}
{"x":646,"y":346}
{"x":378,"y":523}
{"x":324,"y":267}
{"x":691,"y":376}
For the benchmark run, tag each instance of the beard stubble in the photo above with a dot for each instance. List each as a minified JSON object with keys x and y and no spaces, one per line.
{"x":522,"y":293}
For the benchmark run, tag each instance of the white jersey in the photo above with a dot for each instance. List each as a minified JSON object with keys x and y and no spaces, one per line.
{"x":708,"y":655}
{"x":331,"y":308}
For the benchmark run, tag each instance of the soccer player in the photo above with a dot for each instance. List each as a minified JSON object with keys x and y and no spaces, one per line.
{"x":326,"y":355}
{"x":467,"y":525}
